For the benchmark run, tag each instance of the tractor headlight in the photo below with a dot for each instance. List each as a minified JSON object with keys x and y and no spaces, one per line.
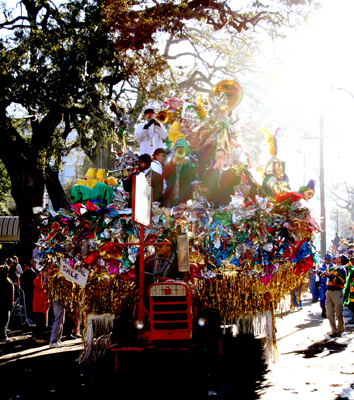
{"x":139,"y":324}
{"x":202,"y":321}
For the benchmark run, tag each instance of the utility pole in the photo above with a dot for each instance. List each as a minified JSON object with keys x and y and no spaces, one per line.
{"x":322,"y":192}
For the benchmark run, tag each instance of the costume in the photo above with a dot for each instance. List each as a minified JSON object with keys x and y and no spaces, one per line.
{"x":178,"y":182}
{"x":276,"y":180}
{"x":150,"y":137}
{"x":101,"y":194}
{"x":334,"y":296}
{"x":346,"y":289}
{"x":351,"y":296}
{"x":220,"y":185}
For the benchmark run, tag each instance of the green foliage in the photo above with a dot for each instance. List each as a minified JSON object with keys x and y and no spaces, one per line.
{"x":5,"y":187}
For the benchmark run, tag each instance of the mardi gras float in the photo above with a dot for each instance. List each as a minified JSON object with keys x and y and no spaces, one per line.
{"x":248,"y":254}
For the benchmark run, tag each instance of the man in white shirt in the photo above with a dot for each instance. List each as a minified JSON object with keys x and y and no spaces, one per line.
{"x":151,"y":134}
{"x":19,"y":269}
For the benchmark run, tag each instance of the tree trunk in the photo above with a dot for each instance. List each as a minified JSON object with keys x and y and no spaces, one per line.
{"x":27,"y":191}
{"x":27,"y":184}
{"x":102,"y":157}
{"x":55,"y":190}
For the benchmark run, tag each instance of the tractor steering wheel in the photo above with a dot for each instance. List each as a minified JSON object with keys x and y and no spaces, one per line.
{"x":161,"y":266}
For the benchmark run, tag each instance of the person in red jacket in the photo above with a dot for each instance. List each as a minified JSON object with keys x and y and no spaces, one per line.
{"x":39,"y":308}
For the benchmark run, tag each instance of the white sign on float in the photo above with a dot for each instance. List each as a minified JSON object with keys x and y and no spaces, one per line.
{"x":142,"y":201}
{"x":78,"y":276}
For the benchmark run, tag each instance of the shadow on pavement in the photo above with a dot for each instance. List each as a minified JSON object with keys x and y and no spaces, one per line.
{"x":242,"y":368}
{"x":320,"y":347}
{"x":55,"y":374}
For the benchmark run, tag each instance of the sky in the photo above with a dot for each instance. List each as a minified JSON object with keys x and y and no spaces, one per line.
{"x":319,"y":60}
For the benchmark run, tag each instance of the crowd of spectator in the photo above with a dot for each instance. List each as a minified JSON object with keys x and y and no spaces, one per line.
{"x":23,"y":290}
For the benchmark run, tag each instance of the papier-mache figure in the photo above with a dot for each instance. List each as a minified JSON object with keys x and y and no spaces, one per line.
{"x":308,"y":191}
{"x":275,"y":179}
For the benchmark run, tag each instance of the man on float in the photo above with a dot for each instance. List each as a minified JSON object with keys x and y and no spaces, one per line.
{"x":179,"y":174}
{"x":220,"y":180}
{"x":157,"y":182}
{"x":150,"y":134}
{"x":144,"y":165}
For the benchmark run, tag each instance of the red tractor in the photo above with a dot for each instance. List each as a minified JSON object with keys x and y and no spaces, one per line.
{"x":168,"y":315}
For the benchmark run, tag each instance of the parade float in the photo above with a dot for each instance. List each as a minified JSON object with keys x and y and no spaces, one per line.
{"x":247,"y":255}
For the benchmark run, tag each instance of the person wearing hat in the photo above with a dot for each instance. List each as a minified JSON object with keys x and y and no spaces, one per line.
{"x":144,"y":165}
{"x":150,"y":134}
{"x":308,"y":191}
{"x":334,"y":297}
{"x":163,"y":263}
{"x":157,"y":182}
{"x":220,"y":181}
{"x":179,"y":175}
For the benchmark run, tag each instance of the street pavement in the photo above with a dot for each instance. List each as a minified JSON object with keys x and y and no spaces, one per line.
{"x":308,"y":367}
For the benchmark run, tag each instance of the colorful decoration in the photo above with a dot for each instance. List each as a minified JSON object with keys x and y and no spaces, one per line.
{"x":175,"y":134}
{"x":275,"y":179}
{"x":261,"y":251}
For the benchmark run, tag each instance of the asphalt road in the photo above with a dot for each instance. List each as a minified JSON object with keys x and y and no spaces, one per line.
{"x":309,"y":367}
